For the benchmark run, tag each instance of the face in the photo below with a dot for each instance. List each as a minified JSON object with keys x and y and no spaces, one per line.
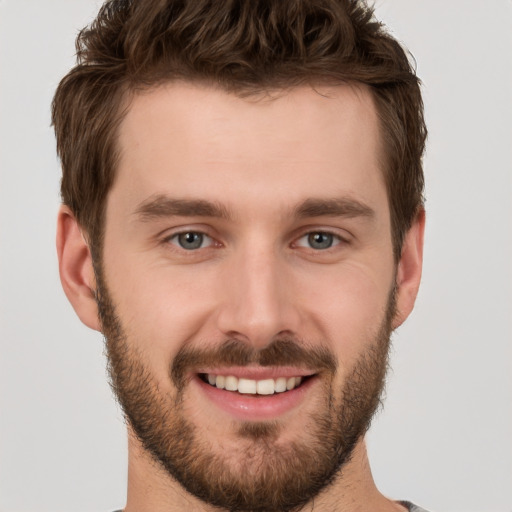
{"x":246,"y":287}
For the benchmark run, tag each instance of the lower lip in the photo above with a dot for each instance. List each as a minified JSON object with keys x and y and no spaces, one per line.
{"x":255,"y":407}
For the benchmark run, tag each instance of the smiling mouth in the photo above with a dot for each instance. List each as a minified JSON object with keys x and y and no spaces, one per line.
{"x":253,"y":387}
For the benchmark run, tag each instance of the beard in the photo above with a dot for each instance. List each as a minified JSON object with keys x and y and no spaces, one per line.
{"x":258,"y":471}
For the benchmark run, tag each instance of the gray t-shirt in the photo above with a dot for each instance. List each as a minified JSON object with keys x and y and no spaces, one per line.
{"x":411,"y":507}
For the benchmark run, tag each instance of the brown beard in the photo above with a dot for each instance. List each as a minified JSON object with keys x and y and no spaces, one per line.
{"x":264,"y":475}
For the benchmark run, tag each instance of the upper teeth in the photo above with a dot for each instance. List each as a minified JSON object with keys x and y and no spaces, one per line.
{"x":259,"y":387}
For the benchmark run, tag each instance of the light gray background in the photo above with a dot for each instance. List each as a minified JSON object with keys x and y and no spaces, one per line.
{"x":444,"y":439}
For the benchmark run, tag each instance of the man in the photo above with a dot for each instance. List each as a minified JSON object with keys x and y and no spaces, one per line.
{"x":242,"y":219}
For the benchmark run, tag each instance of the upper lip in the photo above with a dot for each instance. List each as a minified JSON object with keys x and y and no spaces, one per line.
{"x":258,"y":372}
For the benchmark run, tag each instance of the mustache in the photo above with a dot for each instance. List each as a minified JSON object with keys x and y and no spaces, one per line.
{"x":233,"y":352}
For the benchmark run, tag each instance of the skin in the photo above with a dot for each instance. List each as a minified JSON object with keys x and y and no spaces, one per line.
{"x":255,"y":277}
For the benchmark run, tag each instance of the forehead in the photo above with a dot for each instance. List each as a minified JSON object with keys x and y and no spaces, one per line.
{"x":197,"y":141}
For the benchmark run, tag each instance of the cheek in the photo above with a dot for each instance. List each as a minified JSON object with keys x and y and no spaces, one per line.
{"x":162,"y":307}
{"x":349,"y":309}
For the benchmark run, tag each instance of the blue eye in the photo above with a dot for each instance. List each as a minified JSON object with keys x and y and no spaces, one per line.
{"x":318,"y":240}
{"x":191,"y":240}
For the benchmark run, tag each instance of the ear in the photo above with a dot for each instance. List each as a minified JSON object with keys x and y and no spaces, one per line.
{"x":75,"y":268}
{"x":409,"y":270}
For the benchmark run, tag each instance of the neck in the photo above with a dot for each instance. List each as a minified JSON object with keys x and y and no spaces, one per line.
{"x":151,"y":489}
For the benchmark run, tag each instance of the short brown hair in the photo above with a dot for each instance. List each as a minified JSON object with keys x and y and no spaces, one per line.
{"x":245,"y":47}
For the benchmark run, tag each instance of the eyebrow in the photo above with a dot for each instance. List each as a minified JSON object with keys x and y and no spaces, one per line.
{"x":164,"y":206}
{"x":337,"y":207}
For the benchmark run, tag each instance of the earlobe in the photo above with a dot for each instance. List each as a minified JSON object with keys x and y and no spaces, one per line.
{"x":76,"y":269}
{"x":409,"y":270}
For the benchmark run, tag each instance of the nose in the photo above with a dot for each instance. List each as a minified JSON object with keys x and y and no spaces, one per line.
{"x":259,"y":304}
